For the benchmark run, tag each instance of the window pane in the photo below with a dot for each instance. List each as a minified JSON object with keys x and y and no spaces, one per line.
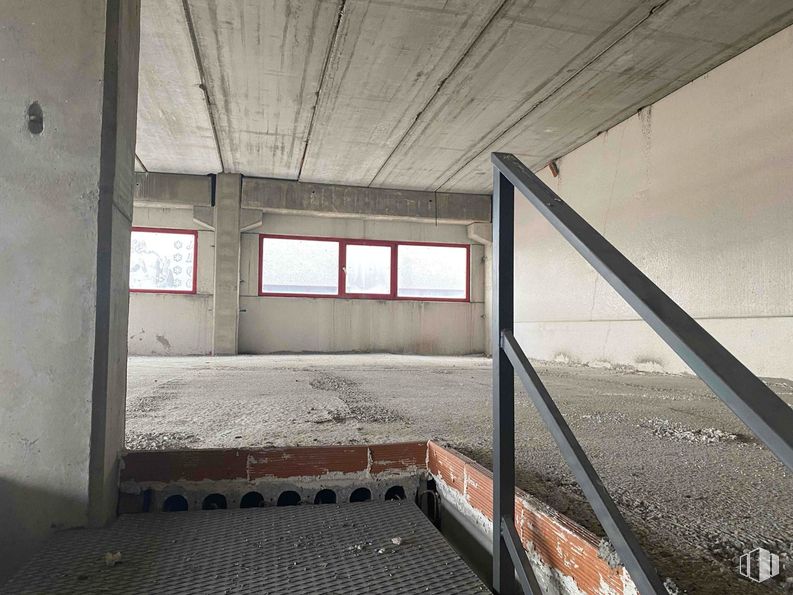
{"x":432,"y":271}
{"x":368,"y":269}
{"x":300,"y":266}
{"x":161,"y":261}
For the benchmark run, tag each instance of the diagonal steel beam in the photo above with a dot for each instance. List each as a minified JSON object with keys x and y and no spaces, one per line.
{"x":528,"y":581}
{"x":768,"y":416}
{"x":631,"y":554}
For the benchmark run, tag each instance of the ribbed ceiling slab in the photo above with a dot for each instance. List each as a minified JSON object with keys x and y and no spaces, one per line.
{"x":414,"y":94}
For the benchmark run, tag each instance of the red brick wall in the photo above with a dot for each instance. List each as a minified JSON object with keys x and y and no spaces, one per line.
{"x":279,"y":463}
{"x":559,"y":542}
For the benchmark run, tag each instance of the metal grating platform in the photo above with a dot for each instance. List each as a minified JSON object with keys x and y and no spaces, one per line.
{"x":338,"y":549}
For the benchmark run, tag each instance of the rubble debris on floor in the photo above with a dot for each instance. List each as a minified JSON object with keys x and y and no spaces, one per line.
{"x":692,"y":480}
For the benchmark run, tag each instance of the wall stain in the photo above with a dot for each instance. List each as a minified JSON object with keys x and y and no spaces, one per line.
{"x":164,"y":342}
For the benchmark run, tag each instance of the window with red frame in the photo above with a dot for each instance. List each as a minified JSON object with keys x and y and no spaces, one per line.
{"x":163,"y":260}
{"x":349,"y":268}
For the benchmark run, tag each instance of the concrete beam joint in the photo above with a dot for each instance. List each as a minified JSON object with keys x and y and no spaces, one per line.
{"x":250,"y":219}
{"x":204,"y":216}
{"x":172,"y":190}
{"x":481,"y":233}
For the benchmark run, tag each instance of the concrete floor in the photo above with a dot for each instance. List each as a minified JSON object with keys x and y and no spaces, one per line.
{"x":691,"y":479}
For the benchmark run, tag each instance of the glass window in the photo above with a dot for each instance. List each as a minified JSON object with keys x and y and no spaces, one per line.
{"x":432,"y":271}
{"x":308,"y":267}
{"x":368,"y":269}
{"x":162,"y":261}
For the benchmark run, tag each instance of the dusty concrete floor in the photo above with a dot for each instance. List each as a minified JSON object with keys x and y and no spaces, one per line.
{"x":690,"y":478}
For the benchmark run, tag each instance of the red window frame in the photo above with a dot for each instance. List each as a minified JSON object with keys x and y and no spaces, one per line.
{"x":342,"y":293}
{"x":188,"y":232}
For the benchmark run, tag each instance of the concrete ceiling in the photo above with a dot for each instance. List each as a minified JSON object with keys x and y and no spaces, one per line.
{"x":414,"y":94}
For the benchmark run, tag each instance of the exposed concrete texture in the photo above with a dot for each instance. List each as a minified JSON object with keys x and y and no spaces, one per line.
{"x":287,"y":196}
{"x":263,"y":62}
{"x":369,"y":98}
{"x":284,"y":196}
{"x":66,"y":197}
{"x":114,"y":216}
{"x":483,"y":233}
{"x":529,"y":50}
{"x":695,"y":485}
{"x":152,"y":189}
{"x":712,"y":226}
{"x":162,"y":324}
{"x":416,"y":94}
{"x":174,"y":324}
{"x":277,"y":324}
{"x":226,"y":305}
{"x":174,"y":129}
{"x":272,"y":325}
{"x":675,"y":42}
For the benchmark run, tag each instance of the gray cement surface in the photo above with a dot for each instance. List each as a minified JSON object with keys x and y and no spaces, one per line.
{"x":690,"y":478}
{"x":414,"y":95}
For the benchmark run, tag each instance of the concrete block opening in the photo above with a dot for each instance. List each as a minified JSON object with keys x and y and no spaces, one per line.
{"x":361,"y":495}
{"x":252,"y":500}
{"x":325,"y":496}
{"x":175,"y":503}
{"x":395,"y":493}
{"x":214,"y":502}
{"x":288,"y":498}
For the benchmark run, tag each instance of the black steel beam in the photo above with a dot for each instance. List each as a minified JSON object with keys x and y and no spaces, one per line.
{"x":768,"y":416}
{"x":503,"y":381}
{"x":528,"y":581}
{"x":630,"y":552}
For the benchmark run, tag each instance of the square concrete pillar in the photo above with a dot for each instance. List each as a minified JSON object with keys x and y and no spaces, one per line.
{"x":226,"y":310}
{"x":483,"y":233}
{"x":68,"y":100}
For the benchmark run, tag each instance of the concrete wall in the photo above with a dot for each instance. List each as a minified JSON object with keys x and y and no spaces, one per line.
{"x":272,"y":324}
{"x":66,"y":202}
{"x":174,"y":324}
{"x":165,"y":324}
{"x":697,"y":190}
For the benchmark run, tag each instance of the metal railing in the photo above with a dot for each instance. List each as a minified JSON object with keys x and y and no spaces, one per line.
{"x":770,"y":418}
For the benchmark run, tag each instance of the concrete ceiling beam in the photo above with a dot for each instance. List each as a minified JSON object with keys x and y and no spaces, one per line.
{"x":172,"y":190}
{"x":330,"y":200}
{"x":287,"y":196}
{"x":174,"y":127}
{"x":262,"y":61}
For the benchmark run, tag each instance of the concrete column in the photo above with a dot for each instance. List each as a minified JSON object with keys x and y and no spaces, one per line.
{"x":226,"y":311}
{"x":68,"y":100}
{"x":483,"y":233}
{"x":488,"y":298}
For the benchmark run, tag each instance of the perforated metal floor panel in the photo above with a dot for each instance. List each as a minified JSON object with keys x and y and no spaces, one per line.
{"x":368,"y":547}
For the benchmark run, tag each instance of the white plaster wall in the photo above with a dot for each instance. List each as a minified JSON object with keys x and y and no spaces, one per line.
{"x":697,"y":190}
{"x":174,"y":324}
{"x":276,"y":324}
